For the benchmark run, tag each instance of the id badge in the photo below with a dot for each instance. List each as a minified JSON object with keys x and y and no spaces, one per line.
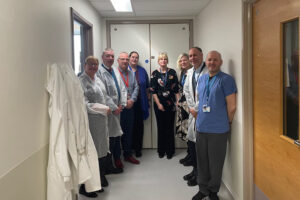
{"x":206,"y":109}
{"x":165,"y":94}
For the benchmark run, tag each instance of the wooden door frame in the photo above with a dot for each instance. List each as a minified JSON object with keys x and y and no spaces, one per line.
{"x":247,"y":99}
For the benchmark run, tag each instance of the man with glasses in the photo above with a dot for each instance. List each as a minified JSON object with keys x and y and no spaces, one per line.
{"x":127,"y":115}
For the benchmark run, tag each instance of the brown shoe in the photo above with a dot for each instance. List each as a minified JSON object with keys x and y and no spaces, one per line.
{"x":132,"y":160}
{"x":119,"y":164}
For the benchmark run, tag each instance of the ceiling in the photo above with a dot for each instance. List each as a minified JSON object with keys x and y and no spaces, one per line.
{"x":153,"y":8}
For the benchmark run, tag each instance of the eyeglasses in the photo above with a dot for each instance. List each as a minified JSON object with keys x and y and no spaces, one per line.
{"x":93,"y":64}
{"x":127,"y":59}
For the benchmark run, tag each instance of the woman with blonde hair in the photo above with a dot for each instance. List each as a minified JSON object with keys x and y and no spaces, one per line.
{"x":164,"y":87}
{"x":183,"y":64}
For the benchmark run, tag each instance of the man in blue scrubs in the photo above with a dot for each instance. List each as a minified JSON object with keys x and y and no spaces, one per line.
{"x":217,"y":104}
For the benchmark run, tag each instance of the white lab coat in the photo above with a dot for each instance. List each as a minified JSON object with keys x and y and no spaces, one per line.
{"x":191,"y":101}
{"x":72,"y":158}
{"x":114,"y":127}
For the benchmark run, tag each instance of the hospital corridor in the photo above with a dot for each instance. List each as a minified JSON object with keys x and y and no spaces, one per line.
{"x":154,"y":179}
{"x":156,"y":100}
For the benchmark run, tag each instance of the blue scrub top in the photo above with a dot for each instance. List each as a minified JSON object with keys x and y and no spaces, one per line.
{"x":215,"y":121}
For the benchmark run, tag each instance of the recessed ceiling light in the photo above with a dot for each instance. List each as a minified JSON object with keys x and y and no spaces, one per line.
{"x":122,"y":5}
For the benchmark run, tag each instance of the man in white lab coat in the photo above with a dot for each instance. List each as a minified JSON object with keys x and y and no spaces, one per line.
{"x":193,"y":74}
{"x":117,"y":92}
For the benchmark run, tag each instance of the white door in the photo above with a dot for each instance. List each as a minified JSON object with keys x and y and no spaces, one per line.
{"x":134,"y":37}
{"x":173,"y":39}
{"x":170,"y":38}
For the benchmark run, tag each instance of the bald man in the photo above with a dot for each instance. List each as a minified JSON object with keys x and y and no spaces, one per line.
{"x":217,"y":104}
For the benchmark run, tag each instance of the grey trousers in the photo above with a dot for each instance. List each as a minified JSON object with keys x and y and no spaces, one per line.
{"x":211,"y":151}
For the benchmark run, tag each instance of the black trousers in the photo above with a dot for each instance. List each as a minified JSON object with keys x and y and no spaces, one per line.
{"x":138,"y":127}
{"x":192,"y":151}
{"x":165,"y":130}
{"x":211,"y":151}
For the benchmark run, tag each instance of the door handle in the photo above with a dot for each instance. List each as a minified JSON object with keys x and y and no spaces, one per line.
{"x":297,"y":142}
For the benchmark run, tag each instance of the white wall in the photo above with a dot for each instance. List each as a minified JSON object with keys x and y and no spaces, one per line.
{"x":33,"y":33}
{"x":219,"y":27}
{"x":84,"y":8}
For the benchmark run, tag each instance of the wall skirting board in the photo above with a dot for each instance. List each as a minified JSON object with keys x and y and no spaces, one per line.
{"x":27,"y":180}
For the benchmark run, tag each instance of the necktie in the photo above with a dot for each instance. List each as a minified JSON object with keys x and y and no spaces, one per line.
{"x":194,"y":82}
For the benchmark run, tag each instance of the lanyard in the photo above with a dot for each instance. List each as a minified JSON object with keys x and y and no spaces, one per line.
{"x":208,"y":86}
{"x":136,"y":73}
{"x":183,"y":80}
{"x":107,"y":69}
{"x":126,"y":82}
{"x":164,"y":78}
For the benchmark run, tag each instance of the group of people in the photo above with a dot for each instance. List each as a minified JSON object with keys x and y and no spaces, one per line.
{"x":206,"y":109}
{"x":204,"y":100}
{"x":117,"y":104}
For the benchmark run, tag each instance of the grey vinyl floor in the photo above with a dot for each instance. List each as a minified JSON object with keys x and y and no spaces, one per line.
{"x":153,"y":179}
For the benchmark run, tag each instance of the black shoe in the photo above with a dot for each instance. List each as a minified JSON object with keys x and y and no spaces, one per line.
{"x":113,"y":170}
{"x":100,"y":191}
{"x":161,"y":155}
{"x":192,"y":181}
{"x":138,"y":154}
{"x":213,"y":196}
{"x":199,"y":196}
{"x":188,"y":163}
{"x":83,"y":192}
{"x":109,"y":167}
{"x":188,"y":176}
{"x":170,"y":156}
{"x":182,"y":160}
{"x":104,"y":182}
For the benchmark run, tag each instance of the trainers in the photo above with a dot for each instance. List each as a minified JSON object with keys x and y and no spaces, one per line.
{"x":132,"y":160}
{"x":83,"y":192}
{"x":213,"y":196}
{"x":119,"y":164}
{"x":199,"y":196}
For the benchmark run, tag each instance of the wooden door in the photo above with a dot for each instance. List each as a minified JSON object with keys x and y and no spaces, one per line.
{"x":276,"y":157}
